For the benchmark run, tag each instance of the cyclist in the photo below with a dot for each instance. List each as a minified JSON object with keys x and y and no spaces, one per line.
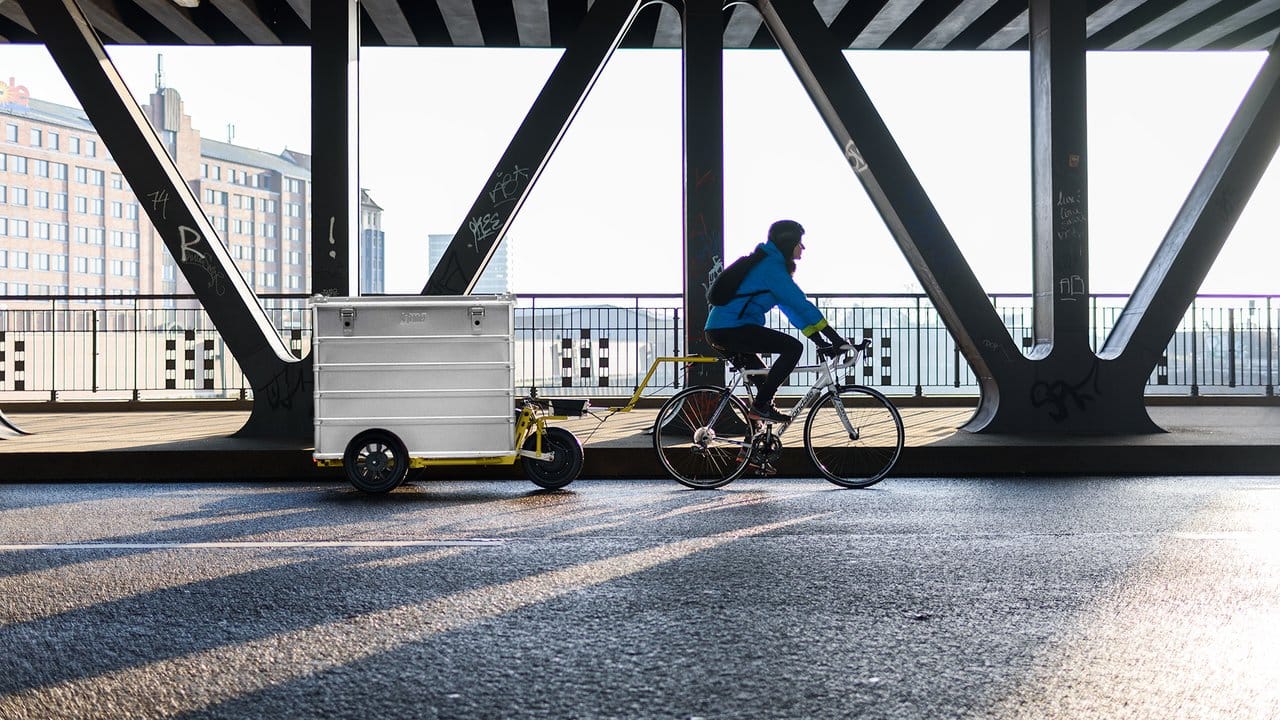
{"x":738,"y":326}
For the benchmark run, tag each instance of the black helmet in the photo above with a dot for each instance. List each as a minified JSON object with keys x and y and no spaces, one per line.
{"x":786,"y":235}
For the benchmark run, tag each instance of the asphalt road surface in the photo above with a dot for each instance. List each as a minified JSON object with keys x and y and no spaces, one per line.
{"x":919,"y":598}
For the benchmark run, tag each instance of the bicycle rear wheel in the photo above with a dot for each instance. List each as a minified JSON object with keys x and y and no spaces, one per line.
{"x":696,"y":450}
{"x":854,"y":436}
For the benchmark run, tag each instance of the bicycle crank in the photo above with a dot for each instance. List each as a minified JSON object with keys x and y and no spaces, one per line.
{"x":766,"y":449}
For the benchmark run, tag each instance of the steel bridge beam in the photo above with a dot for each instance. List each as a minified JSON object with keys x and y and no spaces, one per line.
{"x":486,"y":224}
{"x":893,"y":188}
{"x":703,"y":79}
{"x":1202,"y":225}
{"x":335,"y":130}
{"x":283,"y":403}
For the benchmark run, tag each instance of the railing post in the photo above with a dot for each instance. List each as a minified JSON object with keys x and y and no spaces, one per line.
{"x":53,"y":344}
{"x":1195,"y":354}
{"x":675,"y":346}
{"x":1231,"y":347}
{"x":533,"y":343}
{"x":635,"y":343}
{"x":93,"y":355}
{"x":919,"y":350}
{"x":1271,"y":343}
{"x":137,"y":340}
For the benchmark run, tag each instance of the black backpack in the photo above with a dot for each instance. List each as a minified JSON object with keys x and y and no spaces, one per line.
{"x":724,"y":287}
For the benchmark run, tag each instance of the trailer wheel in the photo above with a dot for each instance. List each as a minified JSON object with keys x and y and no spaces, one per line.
{"x":376,"y":461}
{"x":560,"y":471}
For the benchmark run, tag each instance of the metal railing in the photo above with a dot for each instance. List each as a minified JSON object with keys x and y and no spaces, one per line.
{"x":161,"y":347}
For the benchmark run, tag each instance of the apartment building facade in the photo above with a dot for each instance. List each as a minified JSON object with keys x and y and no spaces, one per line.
{"x":71,"y":225}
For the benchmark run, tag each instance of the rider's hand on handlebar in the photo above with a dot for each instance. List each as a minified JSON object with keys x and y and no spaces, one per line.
{"x":831,"y":351}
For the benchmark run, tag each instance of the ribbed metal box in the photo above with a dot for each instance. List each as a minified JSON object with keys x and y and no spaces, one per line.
{"x":438,"y":372}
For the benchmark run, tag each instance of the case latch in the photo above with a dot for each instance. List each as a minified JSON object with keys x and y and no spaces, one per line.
{"x":348,"y":317}
{"x":477,"y":315}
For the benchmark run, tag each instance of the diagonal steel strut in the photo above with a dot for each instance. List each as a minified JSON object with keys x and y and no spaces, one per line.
{"x":527,"y":154}
{"x":281,"y":383}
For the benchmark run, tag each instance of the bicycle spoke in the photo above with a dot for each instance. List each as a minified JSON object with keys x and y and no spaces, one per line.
{"x":854,"y":436}
{"x":699,"y":437}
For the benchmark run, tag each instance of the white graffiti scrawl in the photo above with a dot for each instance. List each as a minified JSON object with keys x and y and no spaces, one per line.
{"x":483,"y":226}
{"x":189,"y":255}
{"x":507,"y":185}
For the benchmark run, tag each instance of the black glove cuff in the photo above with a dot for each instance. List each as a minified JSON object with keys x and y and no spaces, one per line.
{"x":833,"y":337}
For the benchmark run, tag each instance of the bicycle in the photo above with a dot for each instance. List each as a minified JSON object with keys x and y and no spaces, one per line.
{"x":853,"y":433}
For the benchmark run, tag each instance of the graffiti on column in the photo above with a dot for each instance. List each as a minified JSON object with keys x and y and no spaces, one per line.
{"x":294,"y":380}
{"x":190,"y":254}
{"x":854,"y":157}
{"x":160,"y":201}
{"x":508,"y":185}
{"x":1060,"y":395}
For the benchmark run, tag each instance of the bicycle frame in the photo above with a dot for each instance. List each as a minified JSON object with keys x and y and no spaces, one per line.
{"x":828,"y":374}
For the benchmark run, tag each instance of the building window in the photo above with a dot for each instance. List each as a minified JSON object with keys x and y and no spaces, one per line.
{"x":91,"y":148}
{"x":59,"y":233}
{"x":11,"y":132}
{"x":53,"y":140}
{"x":42,"y":199}
{"x":4,"y":226}
{"x":59,"y":171}
{"x":18,"y":196}
{"x":4,"y":194}
{"x":131,"y":211}
{"x":41,"y":168}
{"x":117,"y":181}
{"x":82,"y":205}
{"x":97,"y":206}
{"x":18,"y":228}
{"x":42,"y":261}
{"x":37,"y":137}
{"x":59,"y":201}
{"x":82,"y":175}
{"x":19,"y":165}
{"x":117,"y":209}
{"x":19,"y":259}
{"x":73,"y":145}
{"x":4,"y":161}
{"x":42,"y":231}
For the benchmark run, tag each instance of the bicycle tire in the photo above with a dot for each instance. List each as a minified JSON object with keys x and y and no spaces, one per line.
{"x":726,"y":446}
{"x":860,"y":458}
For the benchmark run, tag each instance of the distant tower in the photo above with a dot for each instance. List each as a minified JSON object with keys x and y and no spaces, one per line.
{"x":159,"y":72}
{"x":496,"y":278}
{"x":373,"y":247}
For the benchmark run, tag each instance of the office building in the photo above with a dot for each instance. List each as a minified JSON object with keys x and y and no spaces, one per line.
{"x":496,"y":277}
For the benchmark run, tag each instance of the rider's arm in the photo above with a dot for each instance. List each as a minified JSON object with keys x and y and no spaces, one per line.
{"x":804,"y":314}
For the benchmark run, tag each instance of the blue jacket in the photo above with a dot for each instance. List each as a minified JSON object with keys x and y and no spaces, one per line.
{"x":767,"y":285}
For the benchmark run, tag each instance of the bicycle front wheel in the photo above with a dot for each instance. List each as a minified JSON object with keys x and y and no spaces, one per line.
{"x":854,"y":436}
{"x":703,"y":437}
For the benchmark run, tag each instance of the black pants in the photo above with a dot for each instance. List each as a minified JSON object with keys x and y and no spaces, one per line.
{"x":748,"y":340}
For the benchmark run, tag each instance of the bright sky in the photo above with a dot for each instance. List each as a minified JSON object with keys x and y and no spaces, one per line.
{"x":606,"y":214}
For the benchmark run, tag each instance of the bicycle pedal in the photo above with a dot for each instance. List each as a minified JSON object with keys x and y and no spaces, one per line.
{"x":765,"y":470}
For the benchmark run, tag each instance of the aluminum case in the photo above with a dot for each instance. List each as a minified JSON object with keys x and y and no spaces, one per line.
{"x":438,"y":372}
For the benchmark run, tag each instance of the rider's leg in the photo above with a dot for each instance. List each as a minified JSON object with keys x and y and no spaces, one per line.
{"x":755,"y":338}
